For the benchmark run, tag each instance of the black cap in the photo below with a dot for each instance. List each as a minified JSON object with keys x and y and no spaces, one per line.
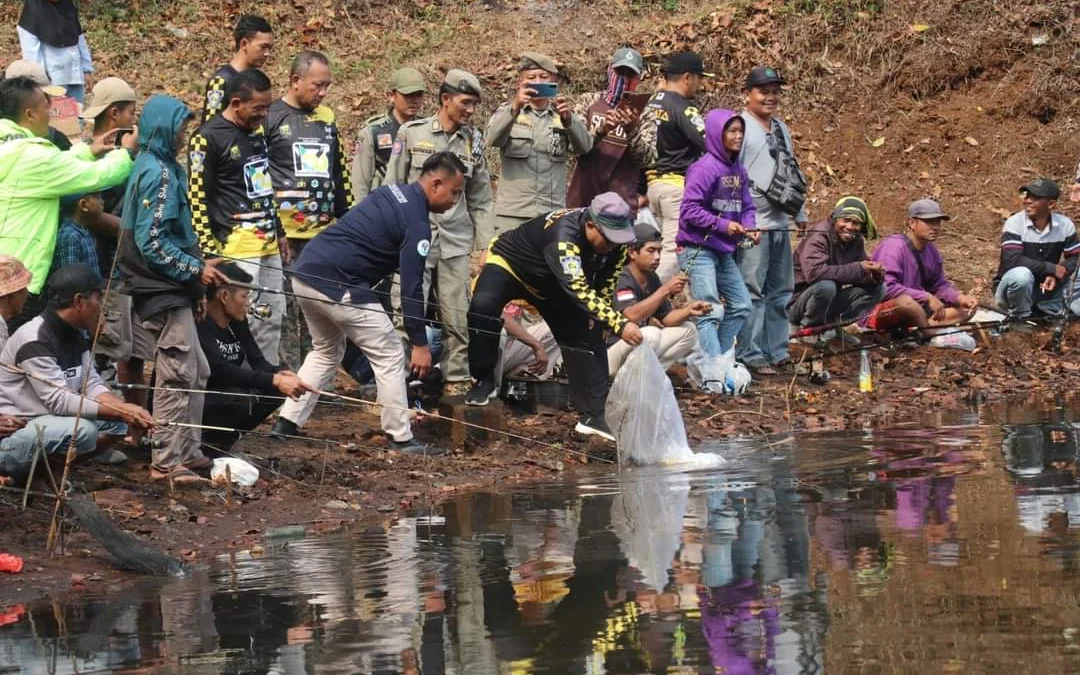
{"x":761,"y":76}
{"x":685,"y":62}
{"x":644,"y":233}
{"x":71,"y":280}
{"x":1043,"y":188}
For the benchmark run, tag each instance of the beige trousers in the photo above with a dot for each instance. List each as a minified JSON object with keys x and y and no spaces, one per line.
{"x":665,"y":199}
{"x":670,"y":345}
{"x":370,"y":329}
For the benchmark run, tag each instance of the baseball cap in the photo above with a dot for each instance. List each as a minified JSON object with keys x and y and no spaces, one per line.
{"x":685,"y":62}
{"x":926,"y":209}
{"x":71,"y":280}
{"x":1042,"y":187}
{"x":611,"y":214}
{"x":407,"y":81}
{"x":105,"y":93}
{"x":762,"y":75}
{"x":531,"y":60}
{"x":463,"y":82}
{"x":626,"y":57}
{"x":36,"y":72}
{"x":13,"y":275}
{"x":645,"y":232}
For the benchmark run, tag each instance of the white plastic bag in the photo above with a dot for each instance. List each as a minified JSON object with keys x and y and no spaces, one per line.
{"x":242,"y":473}
{"x":719,"y":375}
{"x":645,"y":215}
{"x":643,"y":412}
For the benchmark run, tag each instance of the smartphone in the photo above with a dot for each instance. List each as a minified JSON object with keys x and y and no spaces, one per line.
{"x":544,"y":89}
{"x":120,"y":133}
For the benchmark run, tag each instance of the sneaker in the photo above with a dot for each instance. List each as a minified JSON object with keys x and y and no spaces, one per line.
{"x":595,"y":426}
{"x":482,"y":392}
{"x":959,"y":340}
{"x":284,"y":428}
{"x":415,"y":447}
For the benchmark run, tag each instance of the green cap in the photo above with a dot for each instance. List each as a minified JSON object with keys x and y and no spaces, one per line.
{"x":407,"y":81}
{"x":534,"y":60}
{"x":463,"y":82}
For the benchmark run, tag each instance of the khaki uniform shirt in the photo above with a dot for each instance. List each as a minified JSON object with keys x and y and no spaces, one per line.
{"x":534,"y":148}
{"x":468,"y":225}
{"x":373,"y":148}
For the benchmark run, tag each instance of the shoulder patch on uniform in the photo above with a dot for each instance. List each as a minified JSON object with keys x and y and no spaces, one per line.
{"x":384,"y":140}
{"x":398,"y":145}
{"x":624,"y":295}
{"x":196,"y":160}
{"x":214,"y":97}
{"x":571,"y":265}
{"x":399,"y":195}
{"x":423,"y":247}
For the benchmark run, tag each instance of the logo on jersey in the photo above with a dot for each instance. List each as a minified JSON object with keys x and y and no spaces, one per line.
{"x":571,"y":265}
{"x":214,"y":97}
{"x":196,"y":161}
{"x":423,"y":247}
{"x":257,"y":178}
{"x":399,"y":195}
{"x":311,"y":159}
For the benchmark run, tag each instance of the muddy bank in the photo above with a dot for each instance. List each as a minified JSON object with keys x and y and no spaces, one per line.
{"x":352,"y":476}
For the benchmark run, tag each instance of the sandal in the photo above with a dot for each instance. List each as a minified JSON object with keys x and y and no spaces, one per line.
{"x":178,"y":475}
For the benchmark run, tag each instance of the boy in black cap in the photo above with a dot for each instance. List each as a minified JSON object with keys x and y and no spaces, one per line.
{"x":643,"y":299}
{"x":565,"y":264}
{"x":1038,"y":254}
{"x":675,"y":127}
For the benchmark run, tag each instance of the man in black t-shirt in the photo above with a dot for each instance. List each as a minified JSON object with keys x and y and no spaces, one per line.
{"x":254,"y":41}
{"x":237,"y":368}
{"x":641,"y":298}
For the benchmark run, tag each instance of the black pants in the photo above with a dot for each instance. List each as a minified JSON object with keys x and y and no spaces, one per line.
{"x":579,"y":336}
{"x":243,"y":413}
{"x":826,"y":301}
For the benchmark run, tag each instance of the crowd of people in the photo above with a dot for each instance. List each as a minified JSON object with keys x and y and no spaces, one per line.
{"x":620,"y":217}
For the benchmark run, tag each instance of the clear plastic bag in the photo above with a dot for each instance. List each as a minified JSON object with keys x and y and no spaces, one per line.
{"x":644,"y":414}
{"x":719,"y":375}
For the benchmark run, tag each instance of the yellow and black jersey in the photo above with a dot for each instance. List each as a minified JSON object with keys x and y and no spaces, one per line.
{"x":550,"y":256}
{"x":307,"y":167}
{"x":232,"y":196}
{"x":679,"y":131}
{"x":214,"y":98}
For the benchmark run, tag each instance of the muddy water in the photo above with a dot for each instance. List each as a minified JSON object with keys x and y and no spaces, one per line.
{"x":945,"y":548}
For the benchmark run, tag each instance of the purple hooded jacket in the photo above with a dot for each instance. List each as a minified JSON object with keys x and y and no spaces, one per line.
{"x":717,"y":192}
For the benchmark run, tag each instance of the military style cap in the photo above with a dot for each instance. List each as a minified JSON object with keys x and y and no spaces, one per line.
{"x":611,"y":214}
{"x":463,"y":82}
{"x":1044,"y":188}
{"x":407,"y":81}
{"x":105,"y":93}
{"x":628,"y":58}
{"x":36,"y":72}
{"x":532,"y":60}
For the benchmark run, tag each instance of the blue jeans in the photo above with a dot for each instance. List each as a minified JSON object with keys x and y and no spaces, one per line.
{"x":714,"y":276}
{"x":769,"y":273}
{"x":1017,"y":293}
{"x":75,"y":91}
{"x":17,"y":450}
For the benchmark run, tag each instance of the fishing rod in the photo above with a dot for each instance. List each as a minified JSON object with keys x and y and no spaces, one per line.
{"x":340,"y":303}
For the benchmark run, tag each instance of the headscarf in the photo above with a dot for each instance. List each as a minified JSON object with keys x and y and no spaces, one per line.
{"x":855,"y":209}
{"x":618,"y":86}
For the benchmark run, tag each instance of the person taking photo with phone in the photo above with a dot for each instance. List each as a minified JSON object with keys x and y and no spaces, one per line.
{"x":535,"y":134}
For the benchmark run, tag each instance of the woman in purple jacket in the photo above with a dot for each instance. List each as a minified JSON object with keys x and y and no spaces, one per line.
{"x":717,"y":211}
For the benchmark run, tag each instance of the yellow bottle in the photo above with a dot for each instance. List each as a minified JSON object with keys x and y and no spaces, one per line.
{"x":866,"y":377}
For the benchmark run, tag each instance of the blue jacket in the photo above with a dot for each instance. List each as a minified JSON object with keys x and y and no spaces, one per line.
{"x":387,"y":232}
{"x":717,"y":192}
{"x":160,"y":261}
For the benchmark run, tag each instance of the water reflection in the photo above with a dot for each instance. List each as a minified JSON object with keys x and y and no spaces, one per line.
{"x":861,"y":552}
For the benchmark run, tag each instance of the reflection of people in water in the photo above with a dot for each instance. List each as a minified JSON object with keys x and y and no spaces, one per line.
{"x":1042,"y":460}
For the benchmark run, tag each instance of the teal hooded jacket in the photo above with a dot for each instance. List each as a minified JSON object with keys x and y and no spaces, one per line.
{"x":160,"y":261}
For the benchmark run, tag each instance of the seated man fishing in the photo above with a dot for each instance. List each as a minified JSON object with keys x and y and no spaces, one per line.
{"x":251,"y":387}
{"x":49,"y":388}
{"x":917,"y":292}
{"x":834,"y":280}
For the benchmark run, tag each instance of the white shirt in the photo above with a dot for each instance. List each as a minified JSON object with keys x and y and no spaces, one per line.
{"x":64,"y":65}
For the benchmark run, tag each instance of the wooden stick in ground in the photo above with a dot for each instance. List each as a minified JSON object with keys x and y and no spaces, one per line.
{"x":50,"y":542}
{"x":38,"y":448}
{"x":228,"y":485}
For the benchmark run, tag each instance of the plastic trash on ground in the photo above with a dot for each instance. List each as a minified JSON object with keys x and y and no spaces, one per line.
{"x":12,"y":564}
{"x":719,"y":375}
{"x":645,"y":416}
{"x":242,"y":473}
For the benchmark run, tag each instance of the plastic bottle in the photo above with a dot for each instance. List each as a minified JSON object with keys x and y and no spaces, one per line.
{"x":866,"y":377}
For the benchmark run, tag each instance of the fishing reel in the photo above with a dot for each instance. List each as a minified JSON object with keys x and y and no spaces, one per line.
{"x":259,"y":310}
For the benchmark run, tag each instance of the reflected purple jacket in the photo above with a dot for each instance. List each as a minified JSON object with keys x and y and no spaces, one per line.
{"x":717,"y":192}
